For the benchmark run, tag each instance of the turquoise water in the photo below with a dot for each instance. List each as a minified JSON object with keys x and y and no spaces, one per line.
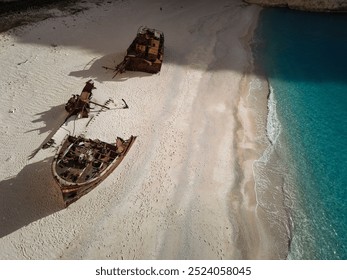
{"x":304,"y":56}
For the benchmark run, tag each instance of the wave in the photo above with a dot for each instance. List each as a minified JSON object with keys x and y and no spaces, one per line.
{"x":273,"y":125}
{"x":271,"y":180}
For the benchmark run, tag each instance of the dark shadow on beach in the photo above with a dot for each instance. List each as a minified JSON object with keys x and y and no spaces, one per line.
{"x":28,"y":197}
{"x":112,"y":36}
{"x":19,"y":12}
{"x":185,"y":42}
{"x":52,"y":119}
{"x":95,"y":69}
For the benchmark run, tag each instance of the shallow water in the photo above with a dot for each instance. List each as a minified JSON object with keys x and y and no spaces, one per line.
{"x":304,"y":57}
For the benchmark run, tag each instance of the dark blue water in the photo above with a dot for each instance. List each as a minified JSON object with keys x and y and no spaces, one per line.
{"x":304,"y":55}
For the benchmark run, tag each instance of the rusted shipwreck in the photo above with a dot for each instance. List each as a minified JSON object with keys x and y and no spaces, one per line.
{"x":144,"y":54}
{"x":80,"y":164}
{"x":79,"y":104}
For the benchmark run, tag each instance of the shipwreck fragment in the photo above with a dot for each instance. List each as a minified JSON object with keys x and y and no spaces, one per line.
{"x":145,"y":53}
{"x":79,"y":104}
{"x":80,"y":164}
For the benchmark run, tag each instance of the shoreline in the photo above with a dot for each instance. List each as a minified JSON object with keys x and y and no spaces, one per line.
{"x":255,"y":99}
{"x":186,"y":188}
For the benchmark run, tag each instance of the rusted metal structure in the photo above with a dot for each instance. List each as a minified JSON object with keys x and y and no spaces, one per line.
{"x":80,"y":164}
{"x":79,"y":104}
{"x":145,"y":53}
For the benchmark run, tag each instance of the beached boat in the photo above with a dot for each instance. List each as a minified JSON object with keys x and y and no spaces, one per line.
{"x":145,"y":52}
{"x":81,"y":164}
{"x":79,"y":104}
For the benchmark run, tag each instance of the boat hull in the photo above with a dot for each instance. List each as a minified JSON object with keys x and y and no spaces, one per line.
{"x":81,"y":164}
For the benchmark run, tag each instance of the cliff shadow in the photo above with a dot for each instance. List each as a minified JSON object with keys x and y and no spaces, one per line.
{"x":199,"y":37}
{"x":28,"y":197}
{"x":189,"y":31}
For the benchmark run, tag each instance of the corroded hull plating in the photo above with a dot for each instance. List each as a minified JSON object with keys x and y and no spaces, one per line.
{"x":81,"y":164}
{"x":145,"y":53}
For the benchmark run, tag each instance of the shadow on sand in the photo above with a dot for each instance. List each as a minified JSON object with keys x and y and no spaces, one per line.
{"x":188,"y":42}
{"x":52,"y":119}
{"x":28,"y":197}
{"x":95,"y":69}
{"x":55,"y":118}
{"x":195,"y":34}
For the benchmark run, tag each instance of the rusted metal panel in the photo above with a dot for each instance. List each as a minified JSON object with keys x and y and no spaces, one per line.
{"x":79,"y":104}
{"x":145,"y":53}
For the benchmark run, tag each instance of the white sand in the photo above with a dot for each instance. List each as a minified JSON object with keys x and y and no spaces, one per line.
{"x":185,"y":189}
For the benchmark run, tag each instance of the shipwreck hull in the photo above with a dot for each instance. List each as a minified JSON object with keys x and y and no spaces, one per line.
{"x":145,"y":53}
{"x":81,"y":164}
{"x":142,"y":65}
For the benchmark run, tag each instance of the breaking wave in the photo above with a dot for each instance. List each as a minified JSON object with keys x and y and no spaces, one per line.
{"x":270,"y":178}
{"x":273,"y":126}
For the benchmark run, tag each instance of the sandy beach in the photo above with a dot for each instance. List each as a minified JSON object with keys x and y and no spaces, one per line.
{"x":186,"y":188}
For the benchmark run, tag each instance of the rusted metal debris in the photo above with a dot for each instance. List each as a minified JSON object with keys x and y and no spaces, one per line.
{"x":145,"y":53}
{"x":81,"y":164}
{"x":79,"y":104}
